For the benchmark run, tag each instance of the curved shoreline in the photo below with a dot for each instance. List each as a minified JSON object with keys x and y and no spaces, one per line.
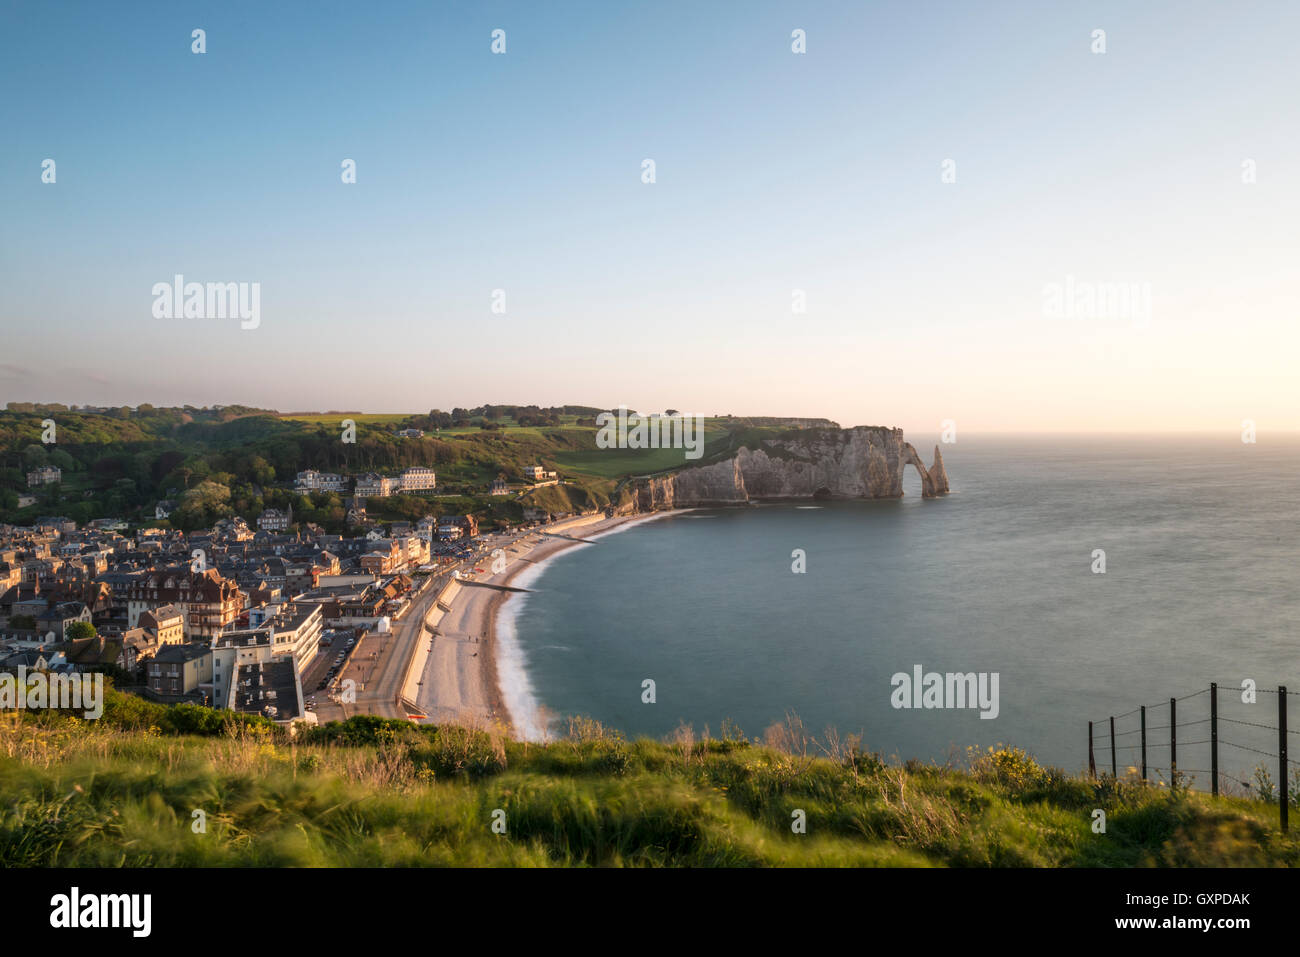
{"x":462,"y":678}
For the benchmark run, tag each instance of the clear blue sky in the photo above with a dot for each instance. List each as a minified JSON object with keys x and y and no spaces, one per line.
{"x":775,"y":172}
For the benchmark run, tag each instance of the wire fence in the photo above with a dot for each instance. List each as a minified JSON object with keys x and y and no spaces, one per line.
{"x":1137,"y":741}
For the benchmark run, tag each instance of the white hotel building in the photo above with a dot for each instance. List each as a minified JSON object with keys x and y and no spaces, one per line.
{"x":374,"y":485}
{"x":313,"y":481}
{"x":419,"y":479}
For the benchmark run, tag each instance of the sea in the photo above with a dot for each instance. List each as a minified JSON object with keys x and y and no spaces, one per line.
{"x":1092,"y":575}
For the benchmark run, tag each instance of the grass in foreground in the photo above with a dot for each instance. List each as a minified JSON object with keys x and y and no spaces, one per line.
{"x":370,"y":792}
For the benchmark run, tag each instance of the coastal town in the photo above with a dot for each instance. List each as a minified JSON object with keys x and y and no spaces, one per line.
{"x":274,"y":617}
{"x":310,"y":567}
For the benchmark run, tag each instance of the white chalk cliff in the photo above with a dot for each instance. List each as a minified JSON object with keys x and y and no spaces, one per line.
{"x":862,"y":462}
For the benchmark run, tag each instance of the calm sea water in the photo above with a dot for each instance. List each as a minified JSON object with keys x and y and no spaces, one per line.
{"x":1201,"y":566}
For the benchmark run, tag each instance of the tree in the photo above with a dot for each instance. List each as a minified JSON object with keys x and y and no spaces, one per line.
{"x":63,"y":460}
{"x":79,"y":630}
{"x":201,"y":506}
{"x":262,"y":471}
{"x":34,"y":456}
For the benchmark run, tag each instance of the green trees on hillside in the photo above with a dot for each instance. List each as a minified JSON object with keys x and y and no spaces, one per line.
{"x":79,"y":630}
{"x":212,"y":463}
{"x":201,"y":506}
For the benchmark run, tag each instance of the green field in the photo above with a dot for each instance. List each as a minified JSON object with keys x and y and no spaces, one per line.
{"x":618,"y":463}
{"x":392,"y":419}
{"x":368,"y":418}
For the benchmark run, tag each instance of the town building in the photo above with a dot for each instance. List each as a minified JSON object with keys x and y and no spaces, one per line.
{"x":313,"y":481}
{"x":45,"y":475}
{"x":272,"y":689}
{"x":274,"y":520}
{"x":373,"y":485}
{"x":232,"y":650}
{"x":209,"y":601}
{"x":164,"y":624}
{"x":384,"y":559}
{"x":58,"y":617}
{"x":176,"y":672}
{"x":86,"y":654}
{"x":296,"y":630}
{"x":419,"y":479}
{"x":232,"y":529}
{"x":250,"y":675}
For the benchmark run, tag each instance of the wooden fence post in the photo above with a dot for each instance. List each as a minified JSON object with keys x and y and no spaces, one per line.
{"x":1092,"y":762}
{"x":1284,"y":789}
{"x":1173,"y":741}
{"x":1214,"y":738}
{"x":1114,"y":765}
{"x":1144,"y":742}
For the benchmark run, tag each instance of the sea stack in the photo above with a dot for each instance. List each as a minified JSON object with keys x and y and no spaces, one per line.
{"x":938,"y":475}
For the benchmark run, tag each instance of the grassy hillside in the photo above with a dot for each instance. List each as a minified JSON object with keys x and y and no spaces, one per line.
{"x":619,"y":463}
{"x":213,"y":463}
{"x":378,"y":793}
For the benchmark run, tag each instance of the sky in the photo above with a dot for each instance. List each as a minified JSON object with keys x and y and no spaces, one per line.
{"x":1166,"y":168}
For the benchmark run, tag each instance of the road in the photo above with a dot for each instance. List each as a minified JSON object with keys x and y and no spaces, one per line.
{"x":378,"y":664}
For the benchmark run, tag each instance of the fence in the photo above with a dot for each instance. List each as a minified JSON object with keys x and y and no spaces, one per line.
{"x":1151,"y":742}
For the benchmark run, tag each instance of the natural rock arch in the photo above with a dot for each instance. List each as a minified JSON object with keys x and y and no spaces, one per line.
{"x":934,"y":480}
{"x":909,"y":457}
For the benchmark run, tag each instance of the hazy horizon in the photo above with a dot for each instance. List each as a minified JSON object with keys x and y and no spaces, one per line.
{"x":1151,"y":186}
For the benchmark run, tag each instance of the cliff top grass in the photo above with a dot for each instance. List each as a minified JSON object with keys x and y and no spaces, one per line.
{"x":130,"y":791}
